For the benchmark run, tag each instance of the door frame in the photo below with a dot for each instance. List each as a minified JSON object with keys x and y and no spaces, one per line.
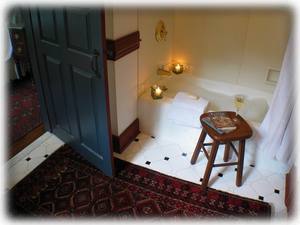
{"x":36,"y":70}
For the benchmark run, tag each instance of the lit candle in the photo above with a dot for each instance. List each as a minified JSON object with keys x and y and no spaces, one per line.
{"x":158,"y":91}
{"x":177,"y":68}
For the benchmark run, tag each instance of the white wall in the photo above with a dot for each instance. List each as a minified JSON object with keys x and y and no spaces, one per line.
{"x":265,"y":45}
{"x":231,"y":46}
{"x":122,"y":73}
{"x":235,"y":46}
{"x":112,"y":97}
{"x":126,"y":90}
{"x":211,"y":42}
{"x":151,"y":53}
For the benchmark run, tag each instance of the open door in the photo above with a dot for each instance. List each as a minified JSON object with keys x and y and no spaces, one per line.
{"x":71,"y":65}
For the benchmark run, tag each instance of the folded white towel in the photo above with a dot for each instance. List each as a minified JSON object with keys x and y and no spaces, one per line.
{"x":186,"y":109}
{"x":185,"y":95}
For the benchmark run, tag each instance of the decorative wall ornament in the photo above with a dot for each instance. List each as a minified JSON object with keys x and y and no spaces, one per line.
{"x":160,"y":31}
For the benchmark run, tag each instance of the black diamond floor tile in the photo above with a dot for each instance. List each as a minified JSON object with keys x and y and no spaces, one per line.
{"x":276,"y":191}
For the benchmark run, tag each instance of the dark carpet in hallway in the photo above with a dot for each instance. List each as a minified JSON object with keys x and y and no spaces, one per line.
{"x":23,"y":109}
{"x":65,"y":185}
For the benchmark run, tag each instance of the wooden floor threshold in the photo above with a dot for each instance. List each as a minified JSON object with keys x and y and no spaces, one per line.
{"x":24,"y":141}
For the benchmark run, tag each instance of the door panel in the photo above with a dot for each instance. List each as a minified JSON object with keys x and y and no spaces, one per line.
{"x":54,"y":77}
{"x":83,"y":84}
{"x":47,"y":26}
{"x":78,"y":31}
{"x":70,"y":56}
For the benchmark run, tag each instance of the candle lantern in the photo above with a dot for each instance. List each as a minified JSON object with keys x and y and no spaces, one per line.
{"x":156,"y":92}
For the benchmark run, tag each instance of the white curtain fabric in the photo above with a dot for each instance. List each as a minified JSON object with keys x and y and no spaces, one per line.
{"x":8,"y":46}
{"x":276,"y":133}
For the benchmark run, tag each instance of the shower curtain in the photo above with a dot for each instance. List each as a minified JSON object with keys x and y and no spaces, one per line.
{"x":276,"y":133}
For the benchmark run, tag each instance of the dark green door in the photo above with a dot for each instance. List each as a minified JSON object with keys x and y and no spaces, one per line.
{"x":70,"y":56}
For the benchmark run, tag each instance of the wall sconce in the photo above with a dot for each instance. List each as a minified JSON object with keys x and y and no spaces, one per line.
{"x":160,"y":31}
{"x":177,"y":68}
{"x":156,"y":92}
{"x":163,"y":72}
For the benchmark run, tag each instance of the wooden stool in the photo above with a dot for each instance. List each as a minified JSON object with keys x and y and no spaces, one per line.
{"x":241,"y":133}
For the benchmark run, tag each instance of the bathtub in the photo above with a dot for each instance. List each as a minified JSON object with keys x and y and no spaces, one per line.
{"x":153,"y":114}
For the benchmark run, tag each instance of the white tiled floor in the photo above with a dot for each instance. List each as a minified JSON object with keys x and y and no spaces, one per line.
{"x":173,"y":158}
{"x":27,"y":160}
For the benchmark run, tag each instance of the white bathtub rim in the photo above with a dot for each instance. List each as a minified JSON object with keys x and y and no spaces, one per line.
{"x":219,"y":87}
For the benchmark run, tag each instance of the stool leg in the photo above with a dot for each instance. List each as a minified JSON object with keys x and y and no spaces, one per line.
{"x":210,"y":163}
{"x":226,"y":152}
{"x":240,"y":166}
{"x":198,"y":146}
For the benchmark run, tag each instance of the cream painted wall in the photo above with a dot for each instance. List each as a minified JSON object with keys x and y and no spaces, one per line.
{"x":122,"y":73}
{"x":126,"y":90}
{"x":124,"y":21}
{"x":267,"y":38}
{"x":151,"y":53}
{"x":112,"y":97}
{"x":111,"y":74}
{"x":231,"y":46}
{"x":211,"y":42}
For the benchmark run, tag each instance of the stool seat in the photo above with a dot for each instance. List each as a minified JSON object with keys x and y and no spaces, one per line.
{"x":240,"y":134}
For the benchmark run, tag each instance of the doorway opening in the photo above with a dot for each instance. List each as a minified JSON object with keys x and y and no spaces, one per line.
{"x":24,"y":116}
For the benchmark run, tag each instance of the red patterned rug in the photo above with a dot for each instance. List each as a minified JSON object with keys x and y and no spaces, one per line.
{"x":66,"y":185}
{"x":24,"y":109}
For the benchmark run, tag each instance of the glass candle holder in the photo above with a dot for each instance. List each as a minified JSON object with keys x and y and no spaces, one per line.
{"x":177,"y":68}
{"x":156,"y":92}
